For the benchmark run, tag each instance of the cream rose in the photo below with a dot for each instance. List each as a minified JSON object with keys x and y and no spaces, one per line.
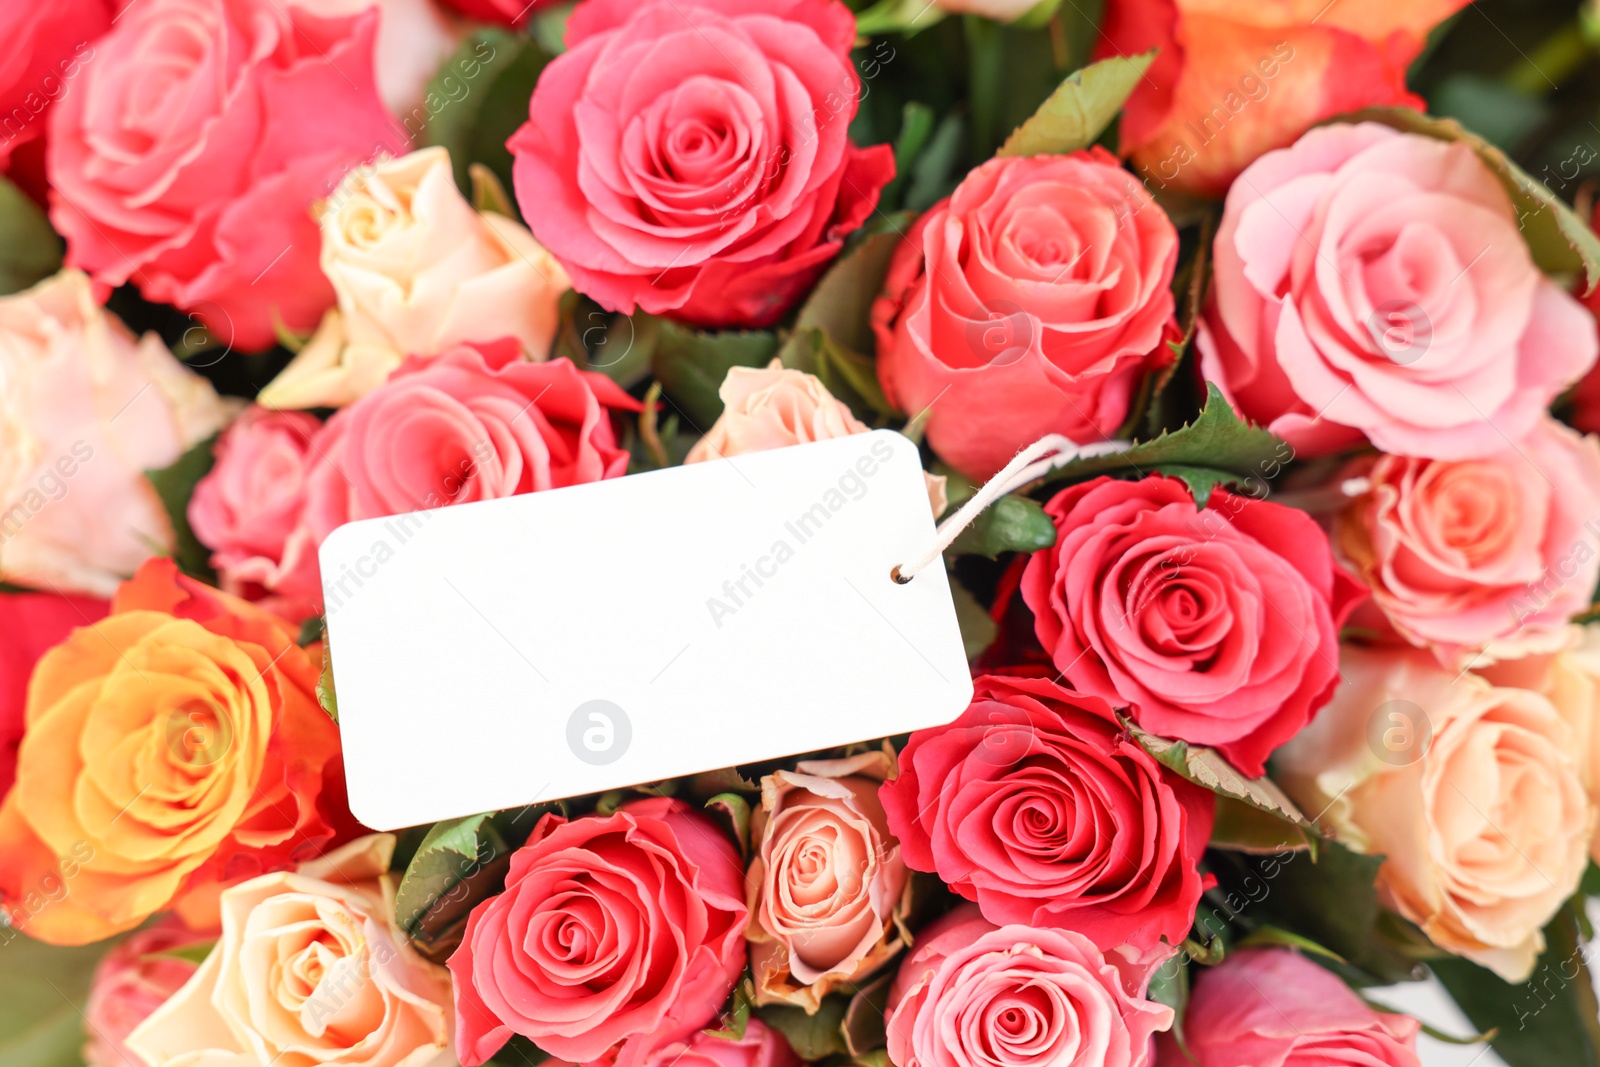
{"x":309,"y":971}
{"x":85,"y":410}
{"x":1469,"y":790}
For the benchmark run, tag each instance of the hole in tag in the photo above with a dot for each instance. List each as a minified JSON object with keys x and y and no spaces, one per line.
{"x":898,"y":578}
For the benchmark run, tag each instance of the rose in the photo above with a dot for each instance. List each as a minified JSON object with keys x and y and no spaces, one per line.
{"x":33,"y":623}
{"x":691,"y":158}
{"x":1219,"y":627}
{"x":827,"y":886}
{"x":85,"y":411}
{"x":173,"y":745}
{"x":418,"y":271}
{"x":1274,"y":1008}
{"x":188,"y":160}
{"x":1370,"y":282}
{"x":415,"y":37}
{"x":1470,"y":792}
{"x":975,"y":995}
{"x":1037,"y":805}
{"x":1236,"y":78}
{"x":131,"y":981}
{"x":1028,"y":303}
{"x":777,"y":407}
{"x":759,"y":1047}
{"x":508,"y":12}
{"x":46,"y":47}
{"x":310,"y":969}
{"x":1463,"y":554}
{"x":558,"y":956}
{"x":247,"y":509}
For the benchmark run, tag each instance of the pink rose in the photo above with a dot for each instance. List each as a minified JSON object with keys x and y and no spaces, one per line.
{"x":1370,"y":283}
{"x":507,"y":12}
{"x":691,"y":157}
{"x":414,"y":39}
{"x":1219,"y":626}
{"x":759,"y":1047}
{"x":1461,"y":554}
{"x":47,"y":46}
{"x":975,"y":994}
{"x":131,"y":981}
{"x":1029,"y":302}
{"x":247,"y":510}
{"x":33,"y":623}
{"x":1037,"y":805}
{"x":616,"y":935}
{"x":1270,"y":1007}
{"x":202,"y":134}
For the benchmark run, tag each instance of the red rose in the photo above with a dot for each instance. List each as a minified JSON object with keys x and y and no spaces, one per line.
{"x":616,"y":935}
{"x":1219,"y":626}
{"x":46,"y":48}
{"x":33,"y":624}
{"x":189,"y":158}
{"x":691,"y":157}
{"x":1028,"y":303}
{"x":1037,"y":805}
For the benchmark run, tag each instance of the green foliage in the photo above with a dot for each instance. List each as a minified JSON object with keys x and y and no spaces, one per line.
{"x":30,"y":251}
{"x":175,"y":485}
{"x":478,"y":99}
{"x":812,"y":1037}
{"x":690,"y":365}
{"x":1080,"y":109}
{"x":43,"y":991}
{"x":1010,"y":524}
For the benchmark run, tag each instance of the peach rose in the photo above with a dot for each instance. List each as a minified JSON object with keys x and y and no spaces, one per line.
{"x":130,"y":982}
{"x":310,"y":971}
{"x":1470,"y":792}
{"x":827,"y":885}
{"x":86,"y":409}
{"x":1463,"y":554}
{"x":171,"y":746}
{"x":773,"y":408}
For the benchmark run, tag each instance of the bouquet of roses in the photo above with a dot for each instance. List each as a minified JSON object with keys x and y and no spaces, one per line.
{"x":1286,"y":676}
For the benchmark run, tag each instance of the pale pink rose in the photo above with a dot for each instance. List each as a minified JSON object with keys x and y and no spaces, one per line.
{"x":774,"y":408}
{"x":415,"y":37}
{"x":759,"y":1047}
{"x":131,"y":981}
{"x":827,"y":884}
{"x":1467,"y":553}
{"x":1470,"y":791}
{"x":1274,"y":1008}
{"x":975,"y":994}
{"x":1371,"y":283}
{"x":85,"y":410}
{"x":309,"y":970}
{"x":247,"y":509}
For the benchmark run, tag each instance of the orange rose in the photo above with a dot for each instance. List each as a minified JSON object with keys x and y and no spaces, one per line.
{"x":1236,"y":78}
{"x":171,"y":747}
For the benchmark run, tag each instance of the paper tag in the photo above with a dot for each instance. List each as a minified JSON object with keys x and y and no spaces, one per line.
{"x":495,"y":654}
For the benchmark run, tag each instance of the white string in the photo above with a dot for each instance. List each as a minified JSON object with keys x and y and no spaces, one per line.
{"x":1026,"y":466}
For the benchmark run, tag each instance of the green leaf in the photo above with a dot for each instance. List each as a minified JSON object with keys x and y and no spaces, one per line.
{"x":1242,"y":827}
{"x":312,"y":630}
{"x":1169,"y":985}
{"x":811,"y":1036}
{"x":327,"y":695}
{"x":43,"y":990}
{"x":863,"y":1025}
{"x":934,"y":176}
{"x":457,"y":864}
{"x":488,"y":194}
{"x":175,"y":485}
{"x":690,"y":365}
{"x":1080,"y":109}
{"x":735,"y":812}
{"x":898,"y":16}
{"x":841,"y":304}
{"x":978,"y":630}
{"x":195,"y":953}
{"x":1010,"y":524}
{"x":736,"y":1016}
{"x":917,"y":122}
{"x":1276,"y":935}
{"x":1559,"y":241}
{"x":30,"y":251}
{"x":478,"y":99}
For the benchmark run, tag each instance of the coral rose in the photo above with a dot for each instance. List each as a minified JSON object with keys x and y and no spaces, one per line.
{"x":1274,"y":1008}
{"x":975,"y":995}
{"x":310,"y":971}
{"x":827,"y":884}
{"x":47,"y":46}
{"x":1471,"y":793}
{"x":1037,"y":805}
{"x":85,"y":411}
{"x":1370,"y":283}
{"x":171,"y":746}
{"x":1219,"y":627}
{"x":33,"y":624}
{"x":616,"y":935}
{"x":201,"y":135}
{"x":131,"y":981}
{"x":1463,"y":554}
{"x":759,"y":1047}
{"x":1236,"y":78}
{"x":692,"y":158}
{"x":1029,"y":302}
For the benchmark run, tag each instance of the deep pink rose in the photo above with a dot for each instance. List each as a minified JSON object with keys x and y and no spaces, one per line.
{"x":759,"y":1047}
{"x":1370,"y":283}
{"x":975,"y":995}
{"x":47,"y":46}
{"x":478,"y":422}
{"x":189,"y":157}
{"x":247,"y":509}
{"x":506,"y":12}
{"x":1029,"y":302}
{"x":1270,"y":1007}
{"x":691,"y":157}
{"x":131,"y":981}
{"x":1219,"y":626}
{"x":616,"y":935}
{"x":1037,"y":805}
{"x":33,"y":624}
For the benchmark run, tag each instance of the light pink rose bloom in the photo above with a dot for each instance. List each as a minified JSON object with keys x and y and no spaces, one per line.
{"x":759,"y":1047}
{"x":1274,"y":1008}
{"x":1467,"y":553}
{"x":247,"y":509}
{"x":130,"y":982}
{"x":1371,"y":283}
{"x":975,"y":995}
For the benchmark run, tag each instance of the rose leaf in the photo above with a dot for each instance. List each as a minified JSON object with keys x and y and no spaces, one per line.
{"x":690,"y":365}
{"x":812,"y":1037}
{"x":978,"y":630}
{"x":174,"y":485}
{"x":863,"y":1026}
{"x":30,"y":251}
{"x":43,"y":993}
{"x":733,"y":810}
{"x":1010,"y":524}
{"x":1080,"y":109}
{"x":327,"y":695}
{"x":458,"y":863}
{"x":841,"y":304}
